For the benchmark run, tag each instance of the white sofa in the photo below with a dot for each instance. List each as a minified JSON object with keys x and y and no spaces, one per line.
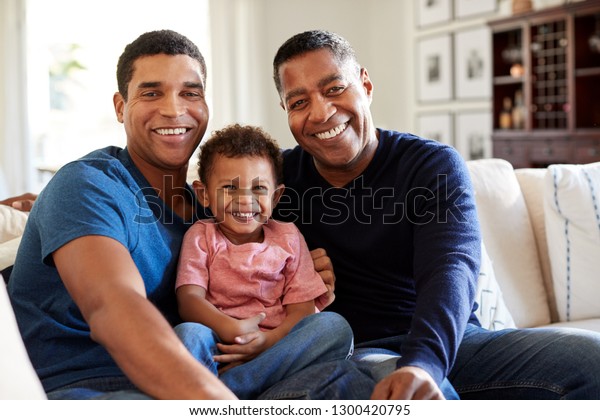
{"x":520,"y":284}
{"x":541,"y":228}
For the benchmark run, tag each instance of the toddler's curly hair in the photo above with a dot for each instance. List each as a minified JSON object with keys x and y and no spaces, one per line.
{"x":237,"y":141}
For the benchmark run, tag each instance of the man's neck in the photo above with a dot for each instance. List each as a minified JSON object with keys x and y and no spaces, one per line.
{"x":341,"y":176}
{"x":170,"y":185}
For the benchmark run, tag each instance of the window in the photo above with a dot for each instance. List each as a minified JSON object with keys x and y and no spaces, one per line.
{"x":73,"y":48}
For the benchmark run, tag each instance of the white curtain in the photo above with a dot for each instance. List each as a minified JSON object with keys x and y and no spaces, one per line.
{"x":16,"y":167}
{"x":238,"y":69}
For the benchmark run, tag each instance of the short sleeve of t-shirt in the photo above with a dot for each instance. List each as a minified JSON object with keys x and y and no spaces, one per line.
{"x":90,"y":190}
{"x":302,"y":281}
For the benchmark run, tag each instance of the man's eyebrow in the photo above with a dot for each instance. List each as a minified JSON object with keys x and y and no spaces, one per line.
{"x":322,"y":83}
{"x":293,"y":93}
{"x":145,"y":85}
{"x":328,"y":79}
{"x":193,"y":85}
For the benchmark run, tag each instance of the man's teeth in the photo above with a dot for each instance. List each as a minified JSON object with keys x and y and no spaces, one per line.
{"x":170,"y":131}
{"x":333,"y":132}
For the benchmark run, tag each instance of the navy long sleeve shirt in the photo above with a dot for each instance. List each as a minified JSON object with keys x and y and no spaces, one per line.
{"x":404,"y":241}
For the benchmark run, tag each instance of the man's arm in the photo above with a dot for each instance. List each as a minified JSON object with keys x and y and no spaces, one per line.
{"x":22,"y":202}
{"x":105,"y":284}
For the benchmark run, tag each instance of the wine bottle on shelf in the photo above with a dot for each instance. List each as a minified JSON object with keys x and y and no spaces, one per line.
{"x":518,"y":111}
{"x":506,"y":114}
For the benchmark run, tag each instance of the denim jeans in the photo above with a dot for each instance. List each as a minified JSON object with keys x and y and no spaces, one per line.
{"x":536,"y":363}
{"x":319,"y":338}
{"x":107,"y":388}
{"x":326,"y":337}
{"x":379,"y":361}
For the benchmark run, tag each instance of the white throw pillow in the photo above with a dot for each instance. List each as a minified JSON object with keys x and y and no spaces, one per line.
{"x":572,"y":217}
{"x":492,"y":312}
{"x":12,"y":223}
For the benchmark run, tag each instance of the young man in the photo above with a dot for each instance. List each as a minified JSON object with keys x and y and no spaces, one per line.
{"x":93,"y":284}
{"x":396,"y":214}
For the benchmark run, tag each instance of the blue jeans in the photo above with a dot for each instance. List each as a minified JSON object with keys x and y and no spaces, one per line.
{"x":544,"y":363}
{"x":375,"y":358}
{"x":312,"y":338}
{"x":107,"y":388}
{"x":319,"y":338}
{"x":537,"y":363}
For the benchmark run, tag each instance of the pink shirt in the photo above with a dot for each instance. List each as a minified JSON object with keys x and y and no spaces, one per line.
{"x":244,"y":280}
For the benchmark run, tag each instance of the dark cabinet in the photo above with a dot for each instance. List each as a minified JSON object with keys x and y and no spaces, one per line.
{"x":546,"y":85}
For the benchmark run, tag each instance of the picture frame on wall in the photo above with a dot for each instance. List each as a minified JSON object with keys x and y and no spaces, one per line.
{"x":473,"y":63}
{"x":431,"y":12}
{"x":474,"y":134}
{"x":434,"y":68}
{"x":469,"y":8}
{"x":436,"y":126}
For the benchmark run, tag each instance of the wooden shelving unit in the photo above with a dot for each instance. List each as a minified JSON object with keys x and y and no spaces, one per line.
{"x":547,"y":62}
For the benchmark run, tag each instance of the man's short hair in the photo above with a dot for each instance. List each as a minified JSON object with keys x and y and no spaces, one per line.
{"x":153,"y":43}
{"x":312,"y":41}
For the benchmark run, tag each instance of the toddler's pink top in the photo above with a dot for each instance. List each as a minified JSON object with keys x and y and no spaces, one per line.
{"x":244,"y":280}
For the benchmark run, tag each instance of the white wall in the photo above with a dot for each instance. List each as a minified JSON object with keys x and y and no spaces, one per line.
{"x":380,"y":32}
{"x":247,"y":33}
{"x":383,"y":33}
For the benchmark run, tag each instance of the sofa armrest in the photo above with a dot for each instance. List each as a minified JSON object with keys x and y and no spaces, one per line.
{"x":18,"y":379}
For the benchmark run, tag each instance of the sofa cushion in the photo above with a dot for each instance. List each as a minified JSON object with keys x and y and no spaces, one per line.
{"x":17,"y":377}
{"x":572,"y":218}
{"x":12,"y":223}
{"x":531,"y":181}
{"x":492,"y":311}
{"x":508,"y":236}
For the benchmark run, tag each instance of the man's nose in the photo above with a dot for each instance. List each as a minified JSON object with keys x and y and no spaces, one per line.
{"x":321,"y":110}
{"x":172,"y":106}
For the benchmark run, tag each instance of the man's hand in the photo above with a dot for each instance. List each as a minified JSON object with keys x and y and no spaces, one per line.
{"x":245,"y":348}
{"x":324,"y":267}
{"x":407,"y":383}
{"x":22,"y":202}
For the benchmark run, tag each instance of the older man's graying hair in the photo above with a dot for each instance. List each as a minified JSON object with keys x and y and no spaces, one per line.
{"x":312,"y":41}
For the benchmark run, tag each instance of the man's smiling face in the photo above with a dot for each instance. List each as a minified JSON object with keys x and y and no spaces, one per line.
{"x":327,"y":103}
{"x":166,"y":114}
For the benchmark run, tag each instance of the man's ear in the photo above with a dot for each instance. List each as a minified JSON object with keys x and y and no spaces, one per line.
{"x":277,"y":194}
{"x":201,"y":193}
{"x":367,"y":83}
{"x":119,"y":103}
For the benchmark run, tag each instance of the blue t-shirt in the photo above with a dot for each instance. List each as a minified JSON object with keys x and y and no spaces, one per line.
{"x":104,"y":194}
{"x":404,"y":241}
